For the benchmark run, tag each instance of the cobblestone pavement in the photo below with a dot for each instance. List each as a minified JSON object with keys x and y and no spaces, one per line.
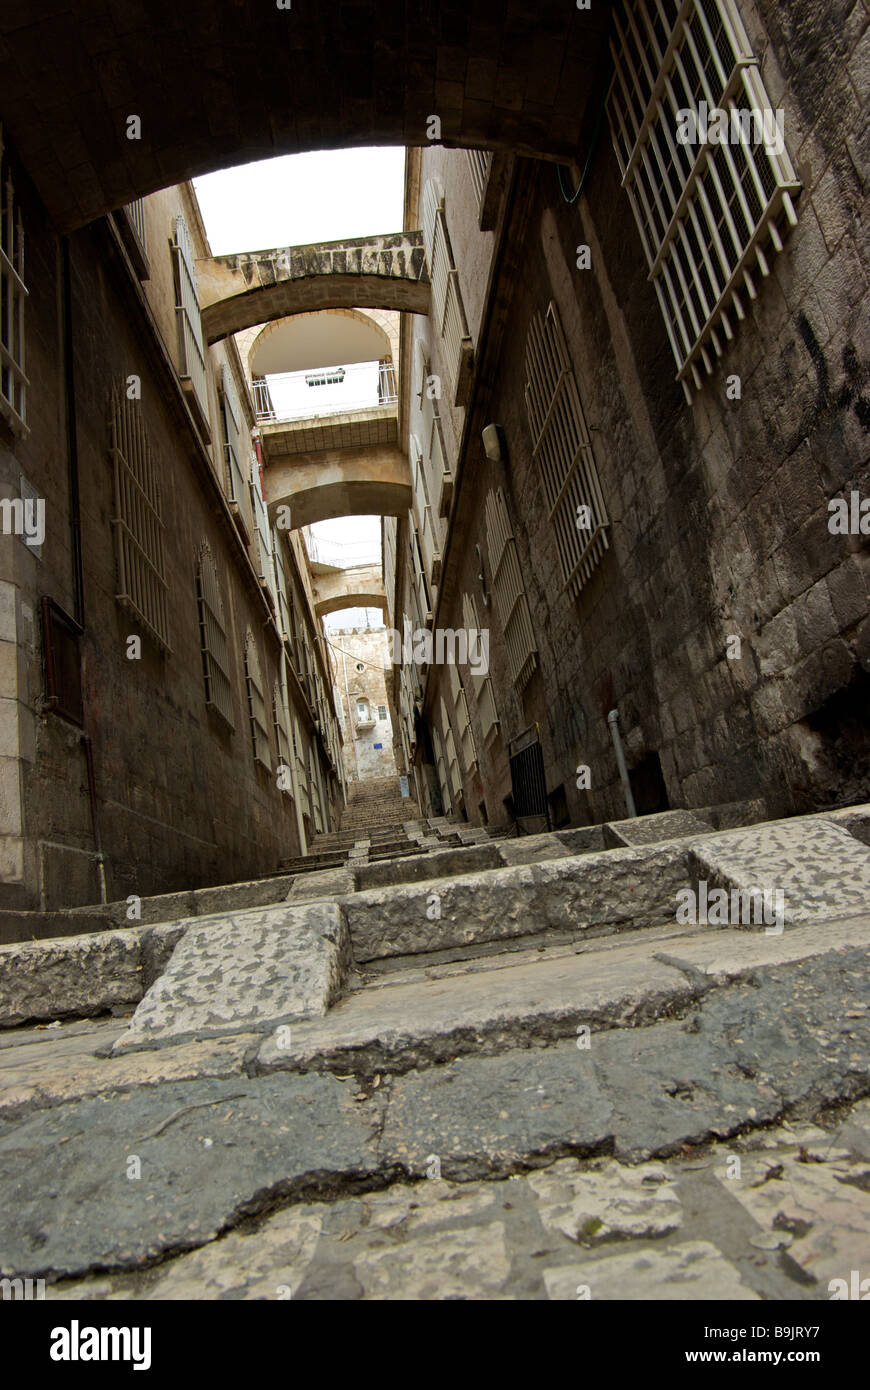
{"x":776,"y":1215}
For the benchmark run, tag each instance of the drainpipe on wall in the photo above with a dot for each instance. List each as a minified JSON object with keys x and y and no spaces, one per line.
{"x":613,"y":721}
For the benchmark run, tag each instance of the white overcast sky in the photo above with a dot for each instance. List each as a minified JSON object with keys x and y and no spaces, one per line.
{"x":295,"y":200}
{"x":301,"y":198}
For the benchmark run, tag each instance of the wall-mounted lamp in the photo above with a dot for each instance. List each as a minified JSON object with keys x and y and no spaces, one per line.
{"x":493,"y":445}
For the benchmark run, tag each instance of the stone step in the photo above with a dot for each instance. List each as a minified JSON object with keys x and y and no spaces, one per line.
{"x":426,"y":1015}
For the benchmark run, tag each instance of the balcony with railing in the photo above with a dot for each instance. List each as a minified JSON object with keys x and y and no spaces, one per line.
{"x":311,"y":394}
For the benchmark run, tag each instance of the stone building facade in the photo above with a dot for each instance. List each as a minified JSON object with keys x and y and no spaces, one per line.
{"x":676,"y":365}
{"x":362,"y":660}
{"x":161,"y":663}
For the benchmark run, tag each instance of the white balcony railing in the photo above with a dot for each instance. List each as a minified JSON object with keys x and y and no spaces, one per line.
{"x":305,"y":395}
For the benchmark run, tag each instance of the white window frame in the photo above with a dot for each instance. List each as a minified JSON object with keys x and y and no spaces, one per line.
{"x":708,"y":215}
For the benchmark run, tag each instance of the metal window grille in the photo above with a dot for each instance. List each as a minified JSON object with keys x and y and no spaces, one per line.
{"x":441,"y":768}
{"x":421,"y":587}
{"x":434,"y":453}
{"x":509,"y":591}
{"x":261,"y":526}
{"x":478,"y":167}
{"x":300,"y":753}
{"x":562,"y":450}
{"x":708,"y":214}
{"x":463,"y":721}
{"x":136,"y":213}
{"x":453,"y":773}
{"x":13,"y":293}
{"x":191,"y":350}
{"x":138,"y":521}
{"x":213,"y":637}
{"x":447,"y":311}
{"x":256,"y":702}
{"x":430,"y":542}
{"x":486,"y":706}
{"x":234,"y":446}
{"x":280,"y":571}
{"x":314,"y":784}
{"x":280,"y":724}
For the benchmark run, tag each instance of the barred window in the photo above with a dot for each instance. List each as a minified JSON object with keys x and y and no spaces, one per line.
{"x":509,"y":591}
{"x":486,"y":707}
{"x":138,"y":520}
{"x":562,"y":450}
{"x":191,"y":349}
{"x":280,"y":723}
{"x":213,"y":637}
{"x":453,"y":773}
{"x":300,"y":753}
{"x":235,"y":446}
{"x":463,"y":721}
{"x":478,"y":167}
{"x":441,"y":768}
{"x":256,"y":702}
{"x":430,"y":540}
{"x":447,"y":312}
{"x":13,"y":293}
{"x":420,"y":590}
{"x":708,"y":214}
{"x":435,"y":460}
{"x":261,"y":528}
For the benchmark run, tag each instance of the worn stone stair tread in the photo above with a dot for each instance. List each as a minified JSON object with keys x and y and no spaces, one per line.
{"x":428,"y":1016}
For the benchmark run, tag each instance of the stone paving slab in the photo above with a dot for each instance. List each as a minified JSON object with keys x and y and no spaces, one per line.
{"x":248,"y":971}
{"x":215,"y":1150}
{"x":507,"y":1239}
{"x":821,"y":869}
{"x":647,"y":830}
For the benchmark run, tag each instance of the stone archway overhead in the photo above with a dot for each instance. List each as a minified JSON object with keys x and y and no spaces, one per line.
{"x":215,"y":85}
{"x":254,"y":287}
{"x":321,"y":339}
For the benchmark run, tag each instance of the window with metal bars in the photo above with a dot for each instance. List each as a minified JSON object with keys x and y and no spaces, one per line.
{"x":137,"y":520}
{"x":436,"y":462}
{"x":708,"y":214}
{"x":280,"y":724}
{"x":447,"y":310}
{"x":453,"y":773}
{"x":486,"y":706}
{"x":191,"y":347}
{"x":213,"y":637}
{"x":13,"y":294}
{"x":562,"y":452}
{"x":463,"y":721}
{"x":478,"y":167}
{"x":509,"y":591}
{"x":256,"y":702}
{"x":236,"y":446}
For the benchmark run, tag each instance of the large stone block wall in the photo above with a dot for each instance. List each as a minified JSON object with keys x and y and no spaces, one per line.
{"x":719,"y":510}
{"x":180,"y":800}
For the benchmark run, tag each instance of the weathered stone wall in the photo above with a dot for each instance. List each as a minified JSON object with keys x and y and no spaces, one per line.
{"x":719,"y":510}
{"x":368,"y":648}
{"x":180,"y":800}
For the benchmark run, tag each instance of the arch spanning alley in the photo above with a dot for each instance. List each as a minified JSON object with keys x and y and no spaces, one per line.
{"x":357,"y":481}
{"x":326,"y":338}
{"x":215,"y":85}
{"x":255,"y":287}
{"x":360,"y":587}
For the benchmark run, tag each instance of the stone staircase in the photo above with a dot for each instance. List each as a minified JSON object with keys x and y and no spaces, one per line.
{"x":379,"y":824}
{"x":502,"y":1004}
